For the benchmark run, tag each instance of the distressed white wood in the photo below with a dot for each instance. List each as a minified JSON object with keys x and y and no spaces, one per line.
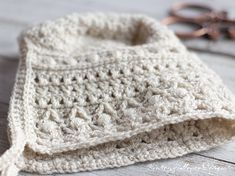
{"x":17,"y":15}
{"x":7,"y":76}
{"x":188,"y":165}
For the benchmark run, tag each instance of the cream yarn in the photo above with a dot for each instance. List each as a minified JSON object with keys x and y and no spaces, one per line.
{"x":106,"y":90}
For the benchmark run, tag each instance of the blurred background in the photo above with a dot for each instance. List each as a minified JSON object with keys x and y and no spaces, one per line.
{"x":16,"y":15}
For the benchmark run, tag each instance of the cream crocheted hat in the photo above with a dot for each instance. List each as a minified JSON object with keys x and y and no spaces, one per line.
{"x":106,"y":90}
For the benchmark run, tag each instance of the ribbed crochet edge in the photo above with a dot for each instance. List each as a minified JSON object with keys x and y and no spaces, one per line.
{"x":8,"y":161}
{"x":118,"y":160}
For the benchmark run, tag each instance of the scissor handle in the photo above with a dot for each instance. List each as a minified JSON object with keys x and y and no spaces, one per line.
{"x":230,"y":28}
{"x":185,"y":35}
{"x":210,"y":13}
{"x":231,"y":33}
{"x":212,"y":31}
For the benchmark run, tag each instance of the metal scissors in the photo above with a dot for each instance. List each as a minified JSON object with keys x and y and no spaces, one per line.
{"x":210,"y":22}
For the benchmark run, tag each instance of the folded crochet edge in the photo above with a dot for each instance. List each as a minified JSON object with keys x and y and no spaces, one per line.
{"x":119,"y":158}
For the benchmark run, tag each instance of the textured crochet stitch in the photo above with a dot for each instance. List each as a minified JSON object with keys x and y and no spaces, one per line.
{"x":98,"y":91}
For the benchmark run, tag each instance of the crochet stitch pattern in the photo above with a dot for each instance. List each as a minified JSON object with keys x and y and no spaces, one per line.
{"x":100,"y":90}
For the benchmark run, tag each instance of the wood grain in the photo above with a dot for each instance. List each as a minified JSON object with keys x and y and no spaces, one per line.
{"x":15,"y":16}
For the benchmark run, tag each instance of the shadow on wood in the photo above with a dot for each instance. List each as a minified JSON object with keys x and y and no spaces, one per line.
{"x":8,"y":67}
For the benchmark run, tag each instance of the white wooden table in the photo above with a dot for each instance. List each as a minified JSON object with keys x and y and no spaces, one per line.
{"x":16,"y":15}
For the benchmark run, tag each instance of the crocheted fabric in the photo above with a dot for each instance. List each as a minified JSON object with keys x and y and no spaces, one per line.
{"x":97,"y":91}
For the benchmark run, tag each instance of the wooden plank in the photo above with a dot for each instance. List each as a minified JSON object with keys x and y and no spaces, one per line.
{"x":223,"y":153}
{"x":4,"y":144}
{"x":187,"y":165}
{"x":8,"y":69}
